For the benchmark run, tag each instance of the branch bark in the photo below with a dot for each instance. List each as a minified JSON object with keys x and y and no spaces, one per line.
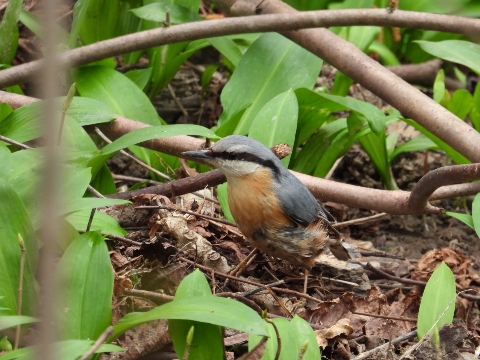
{"x":393,"y":202}
{"x":241,"y":25}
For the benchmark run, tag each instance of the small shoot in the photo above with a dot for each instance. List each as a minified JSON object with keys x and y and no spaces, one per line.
{"x":438,"y":301}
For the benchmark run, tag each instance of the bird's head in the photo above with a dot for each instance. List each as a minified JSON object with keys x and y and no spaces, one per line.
{"x":237,"y":155}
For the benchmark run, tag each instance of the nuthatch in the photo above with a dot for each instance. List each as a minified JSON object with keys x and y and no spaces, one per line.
{"x":273,"y":209}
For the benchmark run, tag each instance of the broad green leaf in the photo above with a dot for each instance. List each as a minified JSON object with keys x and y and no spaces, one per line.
{"x":141,"y":77}
{"x":5,"y":110}
{"x":117,"y":91}
{"x":461,"y":103}
{"x":79,"y":15}
{"x":319,"y":145}
{"x":158,"y":12}
{"x":419,"y":143}
{"x":14,"y":320}
{"x":222,"y":194}
{"x":387,"y":56}
{"x":440,"y":93}
{"x":101,"y":222}
{"x":294,"y":334}
{"x":458,"y":51}
{"x":85,"y":276}
{"x":25,"y":124}
{"x":100,"y":21}
{"x":452,"y":153}
{"x":276,"y":122}
{"x":9,"y":31}
{"x":313,"y":111}
{"x":465,"y":218}
{"x":194,"y":284}
{"x":34,"y":24}
{"x":475,"y":113}
{"x":438,"y":298}
{"x":228,"y":48}
{"x":15,"y":221}
{"x":87,"y":111}
{"x":374,"y":116}
{"x":154,"y":132}
{"x":271,"y":66}
{"x":103,"y":181}
{"x":476,"y":214}
{"x":207,"y":342}
{"x":62,"y":350}
{"x":208,"y":309}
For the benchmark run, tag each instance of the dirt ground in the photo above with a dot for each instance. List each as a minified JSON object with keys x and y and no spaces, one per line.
{"x":363,"y":317}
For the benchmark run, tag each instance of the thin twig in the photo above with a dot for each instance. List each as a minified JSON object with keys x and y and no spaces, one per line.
{"x":369,"y":353}
{"x":13,"y":142}
{"x":101,"y":339}
{"x":385,"y":317}
{"x":134,"y":158}
{"x":20,"y":289}
{"x":226,"y":222}
{"x":360,"y":221}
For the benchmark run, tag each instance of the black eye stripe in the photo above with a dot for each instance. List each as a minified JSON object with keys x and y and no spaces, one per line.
{"x":244,"y":156}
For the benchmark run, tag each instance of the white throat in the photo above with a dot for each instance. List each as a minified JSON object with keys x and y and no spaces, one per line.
{"x":236,"y":167}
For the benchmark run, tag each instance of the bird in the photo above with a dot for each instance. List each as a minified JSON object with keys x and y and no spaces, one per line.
{"x":272,"y":208}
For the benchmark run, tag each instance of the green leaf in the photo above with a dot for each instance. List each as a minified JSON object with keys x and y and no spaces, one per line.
{"x":387,"y":56}
{"x":452,"y":153}
{"x":476,"y":214}
{"x":141,"y":77}
{"x":34,"y":24}
{"x":117,"y":91}
{"x":313,"y":111}
{"x":222,"y":195}
{"x":18,"y":223}
{"x":25,"y":124}
{"x":9,"y":31}
{"x":271,"y":66}
{"x":87,"y":111}
{"x":276,"y":122}
{"x":65,"y":350}
{"x":419,"y":143}
{"x":157,"y":12}
{"x":85,"y":276}
{"x":208,"y":309}
{"x":154,"y":132}
{"x":461,"y":103}
{"x":101,"y":222}
{"x":438,"y":298}
{"x":293,"y":333}
{"x":457,"y":51}
{"x":103,"y":181}
{"x":207,"y":75}
{"x":440,"y":93}
{"x":374,"y":116}
{"x":14,"y":320}
{"x":207,"y":340}
{"x":5,"y":110}
{"x":465,"y":218}
{"x":228,"y":48}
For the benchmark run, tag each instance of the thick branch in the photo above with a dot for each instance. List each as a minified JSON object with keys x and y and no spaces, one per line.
{"x":361,"y":68}
{"x":392,"y":202}
{"x":248,"y":24}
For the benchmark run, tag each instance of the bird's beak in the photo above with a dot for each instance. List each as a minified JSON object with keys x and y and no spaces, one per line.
{"x":199,"y":154}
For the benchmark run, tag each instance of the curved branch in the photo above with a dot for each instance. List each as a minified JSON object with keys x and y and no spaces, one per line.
{"x":440,"y":177}
{"x":241,"y":25}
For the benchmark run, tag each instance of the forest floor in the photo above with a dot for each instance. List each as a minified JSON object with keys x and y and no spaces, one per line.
{"x":352,"y":309}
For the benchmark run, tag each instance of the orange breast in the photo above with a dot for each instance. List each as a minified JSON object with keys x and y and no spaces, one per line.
{"x":253,"y":202}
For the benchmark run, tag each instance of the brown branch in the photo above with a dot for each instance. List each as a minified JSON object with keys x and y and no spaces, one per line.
{"x":241,"y":25}
{"x":347,"y":58}
{"x":392,"y":202}
{"x":424,"y":73}
{"x":446,"y":175}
